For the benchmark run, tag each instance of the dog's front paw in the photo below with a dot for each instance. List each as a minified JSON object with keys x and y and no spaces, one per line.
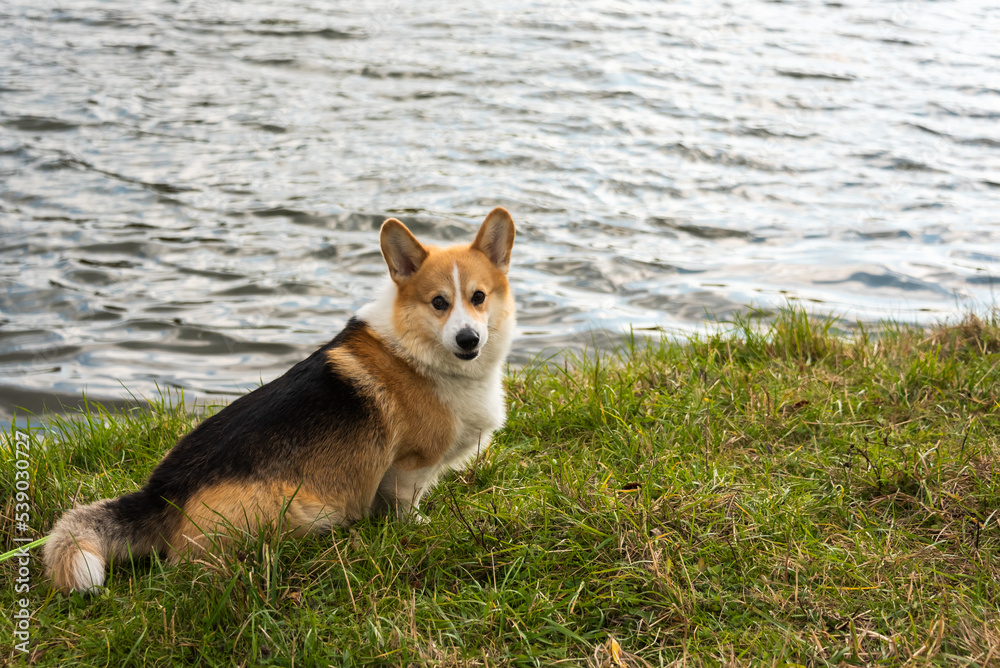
{"x":411,"y":514}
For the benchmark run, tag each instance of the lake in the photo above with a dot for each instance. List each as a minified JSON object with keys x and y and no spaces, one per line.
{"x":190,"y":192}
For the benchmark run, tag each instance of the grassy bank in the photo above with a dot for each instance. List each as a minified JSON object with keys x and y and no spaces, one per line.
{"x":752,"y":498}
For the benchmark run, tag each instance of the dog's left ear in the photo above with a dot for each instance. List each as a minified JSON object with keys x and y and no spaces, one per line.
{"x":496,"y":238}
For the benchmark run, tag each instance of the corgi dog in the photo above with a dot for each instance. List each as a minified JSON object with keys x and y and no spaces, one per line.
{"x":411,"y":388}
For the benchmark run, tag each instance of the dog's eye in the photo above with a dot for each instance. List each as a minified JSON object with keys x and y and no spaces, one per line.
{"x":440,"y":303}
{"x":478,"y":297}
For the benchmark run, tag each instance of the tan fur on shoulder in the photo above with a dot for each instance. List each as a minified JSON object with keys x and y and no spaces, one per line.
{"x":420,"y":427}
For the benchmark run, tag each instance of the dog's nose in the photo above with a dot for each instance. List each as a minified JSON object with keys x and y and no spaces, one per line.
{"x":467,"y":339}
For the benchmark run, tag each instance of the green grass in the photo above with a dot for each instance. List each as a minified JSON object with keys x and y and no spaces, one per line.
{"x":772,"y":495}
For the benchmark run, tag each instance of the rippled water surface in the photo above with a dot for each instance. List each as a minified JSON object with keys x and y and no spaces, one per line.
{"x":190,"y":192}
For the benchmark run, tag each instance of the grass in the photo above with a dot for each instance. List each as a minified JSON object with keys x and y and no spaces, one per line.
{"x":773,"y":495}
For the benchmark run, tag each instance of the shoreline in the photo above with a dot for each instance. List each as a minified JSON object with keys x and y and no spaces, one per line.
{"x":28,"y":402}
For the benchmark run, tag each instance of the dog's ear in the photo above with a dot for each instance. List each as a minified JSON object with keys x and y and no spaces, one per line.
{"x":401,"y":250}
{"x":496,"y":238}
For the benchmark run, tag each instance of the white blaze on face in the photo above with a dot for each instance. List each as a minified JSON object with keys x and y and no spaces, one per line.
{"x":462,"y":316}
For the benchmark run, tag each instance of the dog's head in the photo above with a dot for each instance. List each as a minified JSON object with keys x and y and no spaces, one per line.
{"x":451,"y":303}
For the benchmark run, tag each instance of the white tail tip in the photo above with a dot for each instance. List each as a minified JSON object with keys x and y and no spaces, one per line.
{"x":88,"y":571}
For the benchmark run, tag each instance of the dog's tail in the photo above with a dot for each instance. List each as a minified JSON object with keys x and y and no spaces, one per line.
{"x":86,"y":538}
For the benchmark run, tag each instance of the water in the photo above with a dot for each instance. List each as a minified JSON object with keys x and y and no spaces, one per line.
{"x":190,"y":192}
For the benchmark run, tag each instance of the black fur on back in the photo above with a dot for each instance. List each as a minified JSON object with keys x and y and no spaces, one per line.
{"x":268,"y":434}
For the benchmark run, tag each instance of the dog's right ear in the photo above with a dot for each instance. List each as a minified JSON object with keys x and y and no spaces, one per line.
{"x":401,"y":250}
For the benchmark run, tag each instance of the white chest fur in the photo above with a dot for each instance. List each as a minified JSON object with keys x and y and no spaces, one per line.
{"x":478,"y":408}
